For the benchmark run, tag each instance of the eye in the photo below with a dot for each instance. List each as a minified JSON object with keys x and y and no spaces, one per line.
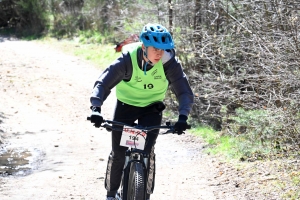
{"x":156,"y":50}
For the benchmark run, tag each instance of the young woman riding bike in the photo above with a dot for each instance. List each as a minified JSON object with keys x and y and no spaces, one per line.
{"x":141,"y":76}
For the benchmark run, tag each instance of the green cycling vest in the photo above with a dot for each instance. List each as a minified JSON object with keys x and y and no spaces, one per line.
{"x":142,"y":89}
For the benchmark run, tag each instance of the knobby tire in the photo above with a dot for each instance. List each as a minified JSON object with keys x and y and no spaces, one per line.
{"x":136,"y":185}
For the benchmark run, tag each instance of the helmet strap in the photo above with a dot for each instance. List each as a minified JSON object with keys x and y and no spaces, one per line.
{"x":147,"y":61}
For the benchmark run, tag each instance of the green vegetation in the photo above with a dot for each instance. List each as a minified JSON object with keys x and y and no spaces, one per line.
{"x":262,"y":131}
{"x":208,"y":134}
{"x":252,"y":136}
{"x":219,"y":144}
{"x":100,"y":54}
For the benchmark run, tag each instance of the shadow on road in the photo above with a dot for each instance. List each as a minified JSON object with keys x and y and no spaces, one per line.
{"x":7,"y":38}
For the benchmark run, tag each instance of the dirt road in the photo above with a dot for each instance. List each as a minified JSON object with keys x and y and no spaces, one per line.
{"x":43,"y":107}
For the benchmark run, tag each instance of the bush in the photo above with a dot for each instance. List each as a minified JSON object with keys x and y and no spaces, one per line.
{"x":265,"y":130}
{"x":26,"y":17}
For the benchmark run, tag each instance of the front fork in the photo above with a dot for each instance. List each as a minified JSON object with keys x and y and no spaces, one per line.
{"x":128,"y":160}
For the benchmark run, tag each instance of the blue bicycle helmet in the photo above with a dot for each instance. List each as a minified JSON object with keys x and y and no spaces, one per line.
{"x":157,"y":36}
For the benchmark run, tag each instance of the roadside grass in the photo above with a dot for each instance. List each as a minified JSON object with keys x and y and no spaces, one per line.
{"x":102,"y":55}
{"x":230,"y":147}
{"x":218,"y":144}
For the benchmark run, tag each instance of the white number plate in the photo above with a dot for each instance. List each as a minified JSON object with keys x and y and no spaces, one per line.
{"x":132,"y":137}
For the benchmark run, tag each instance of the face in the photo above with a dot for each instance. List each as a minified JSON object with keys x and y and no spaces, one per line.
{"x":153,"y":54}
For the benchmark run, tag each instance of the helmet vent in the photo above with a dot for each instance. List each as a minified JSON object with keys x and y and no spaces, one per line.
{"x":160,"y":29}
{"x":157,"y":36}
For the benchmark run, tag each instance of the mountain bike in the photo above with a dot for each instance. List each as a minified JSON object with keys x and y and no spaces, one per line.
{"x":134,"y":177}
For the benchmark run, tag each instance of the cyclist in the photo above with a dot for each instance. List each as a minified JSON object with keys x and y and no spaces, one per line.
{"x":141,"y":76}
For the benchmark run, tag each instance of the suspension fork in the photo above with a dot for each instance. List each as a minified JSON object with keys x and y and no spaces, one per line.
{"x":146,"y":160}
{"x":126,"y":174}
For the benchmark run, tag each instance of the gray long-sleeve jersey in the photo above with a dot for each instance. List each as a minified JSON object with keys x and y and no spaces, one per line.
{"x":122,"y":68}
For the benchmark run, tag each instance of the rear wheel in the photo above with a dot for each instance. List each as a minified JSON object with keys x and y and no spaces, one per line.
{"x":136,"y":184}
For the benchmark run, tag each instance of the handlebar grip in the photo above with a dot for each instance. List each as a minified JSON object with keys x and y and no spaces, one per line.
{"x":88,"y":118}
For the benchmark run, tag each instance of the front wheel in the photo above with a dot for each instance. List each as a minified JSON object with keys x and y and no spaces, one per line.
{"x":136,"y":184}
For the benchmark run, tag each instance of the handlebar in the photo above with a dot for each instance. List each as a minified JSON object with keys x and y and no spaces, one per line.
{"x":111,"y":125}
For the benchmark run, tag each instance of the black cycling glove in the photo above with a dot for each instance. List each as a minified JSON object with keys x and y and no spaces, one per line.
{"x":96,"y":116}
{"x":181,"y":125}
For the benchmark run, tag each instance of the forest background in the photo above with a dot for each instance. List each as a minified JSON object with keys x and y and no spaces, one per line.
{"x":242,"y":58}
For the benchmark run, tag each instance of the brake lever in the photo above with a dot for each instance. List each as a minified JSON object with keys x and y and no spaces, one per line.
{"x":107,"y":127}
